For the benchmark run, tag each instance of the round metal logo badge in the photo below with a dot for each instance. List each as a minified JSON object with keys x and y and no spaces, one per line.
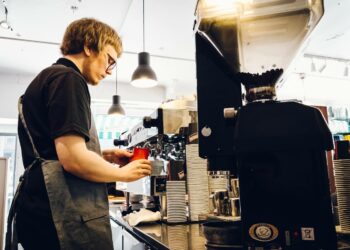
{"x":263,"y":232}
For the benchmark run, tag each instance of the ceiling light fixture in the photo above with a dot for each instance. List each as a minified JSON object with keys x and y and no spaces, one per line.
{"x":313,"y":66}
{"x":144,"y":76}
{"x":116,"y":108}
{"x":4,"y":23}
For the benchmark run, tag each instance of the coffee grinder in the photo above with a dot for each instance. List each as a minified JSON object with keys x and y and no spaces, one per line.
{"x":276,"y":149}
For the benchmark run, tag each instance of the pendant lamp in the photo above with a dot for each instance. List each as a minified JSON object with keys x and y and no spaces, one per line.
{"x":116,"y":108}
{"x":144,"y":76}
{"x":4,"y":23}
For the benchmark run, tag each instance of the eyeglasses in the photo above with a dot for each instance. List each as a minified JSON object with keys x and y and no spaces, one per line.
{"x":111,"y":63}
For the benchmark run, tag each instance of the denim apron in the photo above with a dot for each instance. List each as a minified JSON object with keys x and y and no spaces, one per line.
{"x":79,"y":208}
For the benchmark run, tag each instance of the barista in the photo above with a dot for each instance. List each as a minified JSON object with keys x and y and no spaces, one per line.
{"x":62,"y":203}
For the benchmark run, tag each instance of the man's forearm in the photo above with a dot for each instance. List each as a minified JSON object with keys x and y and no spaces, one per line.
{"x":78,"y":160}
{"x":90,"y":166}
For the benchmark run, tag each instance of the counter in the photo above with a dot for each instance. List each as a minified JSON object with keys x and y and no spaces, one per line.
{"x":160,"y":236}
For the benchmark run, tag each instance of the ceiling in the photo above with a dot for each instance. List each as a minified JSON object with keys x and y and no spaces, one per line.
{"x":38,"y":27}
{"x":168,"y":34}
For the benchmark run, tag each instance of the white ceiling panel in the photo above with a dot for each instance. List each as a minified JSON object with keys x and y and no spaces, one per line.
{"x":46,"y":20}
{"x":332,"y":35}
{"x":168,"y":34}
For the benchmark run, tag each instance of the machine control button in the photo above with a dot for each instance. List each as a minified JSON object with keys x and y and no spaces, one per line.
{"x":206,"y":131}
{"x":288,"y":239}
{"x":308,"y":233}
{"x":296,"y":235}
{"x":263,"y":232}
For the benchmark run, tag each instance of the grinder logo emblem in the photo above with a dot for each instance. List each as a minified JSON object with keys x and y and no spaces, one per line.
{"x":263,"y":232}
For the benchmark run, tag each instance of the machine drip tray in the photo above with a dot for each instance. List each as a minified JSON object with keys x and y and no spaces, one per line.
{"x":211,"y":246}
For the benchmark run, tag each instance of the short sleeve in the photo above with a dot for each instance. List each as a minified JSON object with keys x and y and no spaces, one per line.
{"x":68,"y":103}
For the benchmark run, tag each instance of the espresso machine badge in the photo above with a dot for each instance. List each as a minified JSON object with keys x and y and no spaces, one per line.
{"x":263,"y":232}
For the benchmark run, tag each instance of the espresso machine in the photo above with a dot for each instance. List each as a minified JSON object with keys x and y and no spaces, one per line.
{"x":276,"y":149}
{"x":165,"y":133}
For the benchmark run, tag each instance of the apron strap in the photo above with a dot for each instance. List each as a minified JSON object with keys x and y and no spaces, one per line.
{"x":11,"y":241}
{"x":21,"y":116}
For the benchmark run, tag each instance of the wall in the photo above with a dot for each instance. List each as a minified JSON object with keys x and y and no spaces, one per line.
{"x":316,"y":89}
{"x":177,"y":89}
{"x":12,"y":86}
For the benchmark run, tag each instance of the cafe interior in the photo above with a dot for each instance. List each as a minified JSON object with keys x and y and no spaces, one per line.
{"x":245,"y":117}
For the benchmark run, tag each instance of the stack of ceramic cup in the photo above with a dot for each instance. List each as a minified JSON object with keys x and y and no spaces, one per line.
{"x":197,"y":182}
{"x":176,"y":203}
{"x":218,"y":180}
{"x":342,"y":183}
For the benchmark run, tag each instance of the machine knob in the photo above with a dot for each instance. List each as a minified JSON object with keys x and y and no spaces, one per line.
{"x":118,"y":142}
{"x":230,"y":113}
{"x":148,"y":122}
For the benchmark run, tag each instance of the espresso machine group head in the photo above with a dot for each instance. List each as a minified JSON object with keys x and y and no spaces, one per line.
{"x":276,"y":149}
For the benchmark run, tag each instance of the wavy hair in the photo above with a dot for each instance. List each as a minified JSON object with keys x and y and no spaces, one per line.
{"x":91,"y":33}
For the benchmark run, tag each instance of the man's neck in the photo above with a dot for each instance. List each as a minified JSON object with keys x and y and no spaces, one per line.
{"x":77,"y":59}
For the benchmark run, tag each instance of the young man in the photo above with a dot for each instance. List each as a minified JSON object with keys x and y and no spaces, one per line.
{"x":63,"y":202}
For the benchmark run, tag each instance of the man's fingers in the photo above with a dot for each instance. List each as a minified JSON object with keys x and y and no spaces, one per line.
{"x":128,"y":154}
{"x":144,"y":172}
{"x":146,"y":166}
{"x":144,"y":161}
{"x":122,"y":153}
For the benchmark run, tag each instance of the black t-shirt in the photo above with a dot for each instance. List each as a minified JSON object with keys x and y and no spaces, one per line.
{"x":56,"y":103}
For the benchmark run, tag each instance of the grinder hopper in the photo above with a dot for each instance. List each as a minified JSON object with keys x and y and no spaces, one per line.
{"x":256,"y":36}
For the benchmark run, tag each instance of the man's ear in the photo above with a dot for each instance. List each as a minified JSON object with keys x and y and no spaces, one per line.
{"x":87,"y":51}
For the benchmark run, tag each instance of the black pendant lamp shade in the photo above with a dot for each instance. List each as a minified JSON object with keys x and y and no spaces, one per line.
{"x":116,"y":108}
{"x":144,"y":76}
{"x":4,"y":23}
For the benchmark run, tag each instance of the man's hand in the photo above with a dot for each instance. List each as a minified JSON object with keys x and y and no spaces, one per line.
{"x":135,"y":170}
{"x":117,"y":156}
{"x":79,"y":161}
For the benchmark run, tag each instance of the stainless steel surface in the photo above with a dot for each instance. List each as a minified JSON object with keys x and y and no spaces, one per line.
{"x":234,"y":186}
{"x":148,"y":186}
{"x":190,"y":235}
{"x":164,"y":236}
{"x":166,"y":120}
{"x":160,"y":133}
{"x":235,"y":207}
{"x":135,"y":198}
{"x":177,"y":114}
{"x":163,"y":207}
{"x":223,"y":233}
{"x":174,"y":119}
{"x":221,"y":203}
{"x":230,"y":113}
{"x":157,"y":167}
{"x":175,"y":237}
{"x":211,"y":204}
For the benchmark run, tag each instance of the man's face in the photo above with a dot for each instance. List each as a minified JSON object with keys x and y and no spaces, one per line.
{"x":99,"y":65}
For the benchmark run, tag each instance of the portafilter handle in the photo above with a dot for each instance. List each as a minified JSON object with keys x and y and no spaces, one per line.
{"x":118,"y":142}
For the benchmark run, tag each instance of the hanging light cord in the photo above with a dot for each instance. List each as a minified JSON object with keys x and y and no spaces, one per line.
{"x":116,"y":81}
{"x":143,"y":24}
